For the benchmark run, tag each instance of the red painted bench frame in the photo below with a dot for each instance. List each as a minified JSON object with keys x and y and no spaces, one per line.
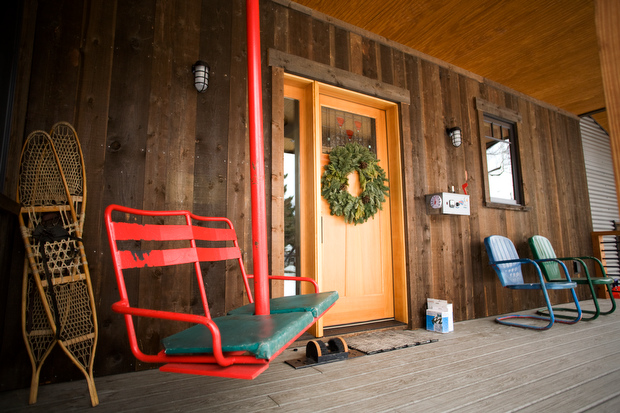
{"x":259,"y":240}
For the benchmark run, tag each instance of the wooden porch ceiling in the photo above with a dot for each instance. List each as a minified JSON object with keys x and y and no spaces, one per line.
{"x":547,"y":49}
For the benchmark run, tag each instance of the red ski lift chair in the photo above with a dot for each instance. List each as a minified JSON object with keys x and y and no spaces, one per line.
{"x":505,"y":261}
{"x":237,"y":345}
{"x":242,"y":343}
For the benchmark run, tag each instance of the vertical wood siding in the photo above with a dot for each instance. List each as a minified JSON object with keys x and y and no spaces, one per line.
{"x":120,"y":71}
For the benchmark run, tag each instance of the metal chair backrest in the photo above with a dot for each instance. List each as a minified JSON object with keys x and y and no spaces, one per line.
{"x":542,"y":249}
{"x":502,"y":249}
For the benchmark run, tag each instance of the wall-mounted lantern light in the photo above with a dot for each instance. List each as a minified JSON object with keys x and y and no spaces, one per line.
{"x":201,"y":75}
{"x":455,"y":136}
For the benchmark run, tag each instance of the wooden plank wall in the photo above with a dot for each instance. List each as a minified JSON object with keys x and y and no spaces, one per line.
{"x":446,"y":256}
{"x":120,"y":71}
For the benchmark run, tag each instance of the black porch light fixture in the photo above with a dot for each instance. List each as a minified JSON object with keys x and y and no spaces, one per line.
{"x":201,"y":75}
{"x":455,"y":136}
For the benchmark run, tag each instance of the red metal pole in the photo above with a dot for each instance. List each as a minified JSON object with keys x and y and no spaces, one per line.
{"x":257,"y":162}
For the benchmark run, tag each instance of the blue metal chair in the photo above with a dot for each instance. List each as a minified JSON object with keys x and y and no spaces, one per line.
{"x":506,"y":262}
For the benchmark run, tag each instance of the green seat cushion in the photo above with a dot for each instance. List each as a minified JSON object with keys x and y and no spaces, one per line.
{"x":262,"y":335}
{"x":317,"y":304}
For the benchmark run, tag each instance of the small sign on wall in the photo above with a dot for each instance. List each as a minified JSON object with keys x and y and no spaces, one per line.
{"x":447,"y":203}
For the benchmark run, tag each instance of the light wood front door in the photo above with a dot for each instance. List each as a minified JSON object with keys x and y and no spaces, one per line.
{"x":365,"y":263}
{"x":356,"y":259}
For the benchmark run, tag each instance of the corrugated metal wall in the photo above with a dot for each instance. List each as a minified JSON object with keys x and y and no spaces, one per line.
{"x":601,"y":184}
{"x":600,"y":173}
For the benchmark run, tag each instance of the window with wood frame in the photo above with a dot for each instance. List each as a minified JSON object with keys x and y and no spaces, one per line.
{"x":500,"y":155}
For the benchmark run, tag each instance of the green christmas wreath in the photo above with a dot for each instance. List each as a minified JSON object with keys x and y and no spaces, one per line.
{"x":342,"y":161}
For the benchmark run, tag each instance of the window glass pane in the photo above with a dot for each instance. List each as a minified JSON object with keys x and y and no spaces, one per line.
{"x":291,"y":168}
{"x":499,"y":164}
{"x":340,"y":128}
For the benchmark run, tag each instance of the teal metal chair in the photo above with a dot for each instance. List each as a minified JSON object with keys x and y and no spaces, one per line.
{"x":507,"y":264}
{"x":542,"y":249}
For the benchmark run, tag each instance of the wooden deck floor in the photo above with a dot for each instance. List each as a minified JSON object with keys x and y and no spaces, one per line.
{"x":480,"y":367}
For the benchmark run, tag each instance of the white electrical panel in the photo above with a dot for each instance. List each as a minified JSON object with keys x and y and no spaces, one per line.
{"x":447,"y":203}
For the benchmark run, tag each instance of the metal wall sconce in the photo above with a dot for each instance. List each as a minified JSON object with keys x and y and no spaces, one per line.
{"x":455,"y":136}
{"x":201,"y":75}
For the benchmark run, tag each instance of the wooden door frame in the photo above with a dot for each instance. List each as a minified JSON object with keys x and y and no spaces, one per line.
{"x":310,"y":178}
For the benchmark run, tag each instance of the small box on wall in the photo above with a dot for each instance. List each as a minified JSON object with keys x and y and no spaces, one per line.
{"x":447,"y":203}
{"x":439,"y":316}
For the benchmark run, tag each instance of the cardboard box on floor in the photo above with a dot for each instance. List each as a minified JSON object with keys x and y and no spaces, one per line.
{"x":439,"y":316}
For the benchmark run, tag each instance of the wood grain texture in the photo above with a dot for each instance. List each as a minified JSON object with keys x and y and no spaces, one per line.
{"x":337,"y":77}
{"x":20,"y":101}
{"x":92,"y":116}
{"x":466,"y":369}
{"x":277,"y":180}
{"x":152,"y":141}
{"x":236,"y":159}
{"x":552,"y":45}
{"x":607,"y":13}
{"x":56,"y":52}
{"x":126,"y":140}
{"x":415,"y":183}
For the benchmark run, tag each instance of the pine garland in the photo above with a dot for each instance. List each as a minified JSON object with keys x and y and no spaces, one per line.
{"x":342,"y":161}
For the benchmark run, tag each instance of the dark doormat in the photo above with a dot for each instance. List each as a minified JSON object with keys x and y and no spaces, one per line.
{"x":370,"y":343}
{"x":388,"y":340}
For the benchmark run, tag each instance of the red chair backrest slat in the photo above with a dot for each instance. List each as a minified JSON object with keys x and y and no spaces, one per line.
{"x":160,"y":258}
{"x":165,"y":241}
{"x":151,"y":232}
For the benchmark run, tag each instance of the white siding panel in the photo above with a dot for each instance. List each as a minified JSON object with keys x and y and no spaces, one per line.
{"x":601,"y":186}
{"x":600,"y":175}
